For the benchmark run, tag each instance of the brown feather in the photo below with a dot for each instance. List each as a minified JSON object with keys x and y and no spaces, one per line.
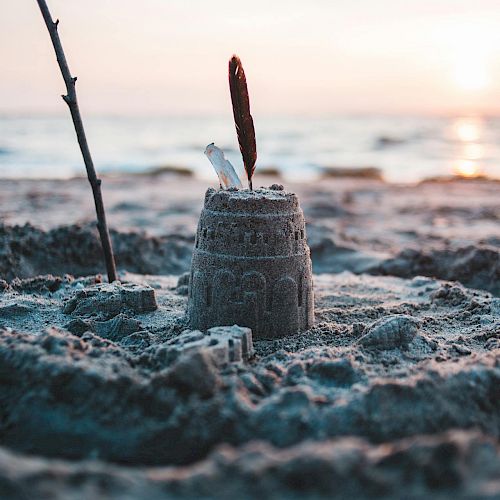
{"x":242,"y":117}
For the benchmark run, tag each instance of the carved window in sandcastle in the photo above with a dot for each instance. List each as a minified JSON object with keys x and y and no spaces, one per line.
{"x":285,"y":298}
{"x":224,"y":292}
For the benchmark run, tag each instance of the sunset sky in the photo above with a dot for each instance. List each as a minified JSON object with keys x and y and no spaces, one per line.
{"x":317,"y":56}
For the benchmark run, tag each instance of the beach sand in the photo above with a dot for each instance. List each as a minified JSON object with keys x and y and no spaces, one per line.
{"x":394,"y":392}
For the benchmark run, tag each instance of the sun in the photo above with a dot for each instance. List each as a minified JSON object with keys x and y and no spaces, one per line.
{"x":470,"y":73}
{"x":470,"y":52}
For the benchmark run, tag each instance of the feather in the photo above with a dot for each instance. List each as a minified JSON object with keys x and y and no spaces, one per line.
{"x":227,"y":175}
{"x":242,"y":117}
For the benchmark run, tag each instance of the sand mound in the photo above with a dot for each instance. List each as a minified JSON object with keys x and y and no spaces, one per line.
{"x":27,"y":251}
{"x":476,"y":266}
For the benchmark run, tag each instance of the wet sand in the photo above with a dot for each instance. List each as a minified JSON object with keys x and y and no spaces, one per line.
{"x":99,"y":398}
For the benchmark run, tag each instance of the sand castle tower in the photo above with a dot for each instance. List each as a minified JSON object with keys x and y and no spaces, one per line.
{"x":251,"y":264}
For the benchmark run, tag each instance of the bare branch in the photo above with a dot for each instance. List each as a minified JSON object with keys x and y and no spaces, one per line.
{"x":71,"y":100}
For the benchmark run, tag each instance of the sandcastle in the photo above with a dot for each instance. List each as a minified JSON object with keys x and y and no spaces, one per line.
{"x":251,"y":264}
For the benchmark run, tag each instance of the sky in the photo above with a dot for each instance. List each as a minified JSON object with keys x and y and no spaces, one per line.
{"x":162,"y":57}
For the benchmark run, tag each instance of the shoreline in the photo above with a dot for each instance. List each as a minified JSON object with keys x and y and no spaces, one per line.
{"x":268,"y":173}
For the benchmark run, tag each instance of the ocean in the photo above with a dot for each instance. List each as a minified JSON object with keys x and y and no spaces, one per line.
{"x":404,"y":148}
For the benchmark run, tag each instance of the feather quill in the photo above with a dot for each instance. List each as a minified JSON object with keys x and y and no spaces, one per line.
{"x":242,"y":117}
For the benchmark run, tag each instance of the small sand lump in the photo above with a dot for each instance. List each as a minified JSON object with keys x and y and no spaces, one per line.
{"x":390,"y":332}
{"x":109,"y":299}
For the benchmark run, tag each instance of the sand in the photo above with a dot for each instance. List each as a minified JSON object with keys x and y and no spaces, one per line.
{"x":394,"y":392}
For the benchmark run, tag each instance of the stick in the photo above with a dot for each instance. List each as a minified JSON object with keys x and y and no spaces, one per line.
{"x":71,"y":100}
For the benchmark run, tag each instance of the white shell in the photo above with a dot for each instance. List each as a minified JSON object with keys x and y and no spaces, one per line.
{"x":228,"y":177}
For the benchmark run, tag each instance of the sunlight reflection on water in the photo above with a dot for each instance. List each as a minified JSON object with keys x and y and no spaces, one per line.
{"x":470,"y":132}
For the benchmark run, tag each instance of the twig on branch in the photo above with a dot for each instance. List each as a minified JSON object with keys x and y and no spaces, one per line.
{"x":71,"y":100}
